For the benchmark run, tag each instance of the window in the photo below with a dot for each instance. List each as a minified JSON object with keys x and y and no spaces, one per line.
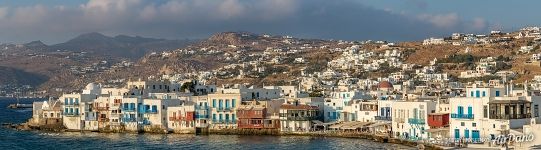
{"x":471,"y":94}
{"x":213,"y":116}
{"x":477,"y":93}
{"x":462,"y":124}
{"x":536,"y":110}
{"x":154,"y":108}
{"x":460,"y":110}
{"x":226,"y":103}
{"x":233,"y":102}
{"x":484,"y":94}
{"x":497,"y":93}
{"x":474,"y":124}
{"x":213,"y":102}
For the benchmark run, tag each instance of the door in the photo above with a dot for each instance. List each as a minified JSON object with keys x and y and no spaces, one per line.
{"x":475,"y":135}
{"x":470,"y":112}
{"x":466,"y":133}
{"x":457,"y":133}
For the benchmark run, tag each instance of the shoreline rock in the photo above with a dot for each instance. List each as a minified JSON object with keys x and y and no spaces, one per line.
{"x":255,"y":132}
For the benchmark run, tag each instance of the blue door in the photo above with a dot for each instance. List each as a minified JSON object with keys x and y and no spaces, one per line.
{"x":475,"y":135}
{"x":466,"y":133}
{"x":460,"y":110}
{"x":457,"y":133}
{"x":470,"y":111}
{"x":477,"y":94}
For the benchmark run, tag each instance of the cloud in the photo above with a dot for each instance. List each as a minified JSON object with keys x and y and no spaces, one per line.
{"x":336,"y":19}
{"x":441,"y":20}
{"x":3,"y":12}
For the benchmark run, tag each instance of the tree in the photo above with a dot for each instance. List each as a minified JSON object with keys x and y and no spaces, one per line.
{"x":188,"y":85}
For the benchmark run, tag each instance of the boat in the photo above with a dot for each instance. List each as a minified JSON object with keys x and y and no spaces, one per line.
{"x":19,"y":105}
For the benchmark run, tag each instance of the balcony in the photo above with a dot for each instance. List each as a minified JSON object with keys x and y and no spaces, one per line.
{"x":102,"y":108}
{"x":129,"y":109}
{"x":383,"y":118}
{"x":201,"y":116}
{"x":462,"y":116}
{"x":71,"y":104}
{"x":301,"y":118}
{"x":129,"y":120}
{"x":151,"y":111}
{"x":510,"y":116}
{"x":103,"y":119}
{"x":416,"y":121}
{"x":72,"y":114}
{"x":201,"y":107}
{"x":145,"y":122}
{"x":223,"y":109}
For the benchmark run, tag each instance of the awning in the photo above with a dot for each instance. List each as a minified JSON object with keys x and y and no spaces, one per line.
{"x":317,"y":122}
{"x":355,"y":125}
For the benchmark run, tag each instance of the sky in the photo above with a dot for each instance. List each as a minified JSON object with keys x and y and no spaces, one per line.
{"x":56,"y":21}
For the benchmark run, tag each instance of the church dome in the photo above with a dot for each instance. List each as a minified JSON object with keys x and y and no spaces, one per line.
{"x":385,"y":84}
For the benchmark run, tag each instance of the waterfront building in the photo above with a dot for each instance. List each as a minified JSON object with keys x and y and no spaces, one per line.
{"x":47,"y":112}
{"x":490,"y":111}
{"x":334,"y":106}
{"x":153,"y":113}
{"x":298,"y":117}
{"x":223,"y":108}
{"x":259,"y":114}
{"x":130,"y":116}
{"x":75,"y":105}
{"x":410,"y":118}
{"x":360,"y":110}
{"x":181,"y":118}
{"x":201,"y":106}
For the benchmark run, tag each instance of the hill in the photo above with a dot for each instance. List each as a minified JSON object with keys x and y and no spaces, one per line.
{"x":121,"y":46}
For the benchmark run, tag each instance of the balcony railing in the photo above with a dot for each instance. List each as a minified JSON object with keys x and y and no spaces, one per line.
{"x":71,"y":104}
{"x":385,"y":118}
{"x":71,"y":114}
{"x":510,"y":116}
{"x":103,"y":119}
{"x":145,"y":122}
{"x":416,"y":121}
{"x":224,"y":108}
{"x":151,"y":111}
{"x":201,"y":107}
{"x":462,"y":116}
{"x":301,"y":118}
{"x":129,"y":120}
{"x":201,"y":116}
{"x":129,"y":109}
{"x":102,"y":108}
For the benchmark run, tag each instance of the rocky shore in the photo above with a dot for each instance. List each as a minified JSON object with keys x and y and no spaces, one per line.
{"x":376,"y":138}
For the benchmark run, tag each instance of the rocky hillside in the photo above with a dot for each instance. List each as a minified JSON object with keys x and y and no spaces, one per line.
{"x":120,"y":46}
{"x":16,"y":76}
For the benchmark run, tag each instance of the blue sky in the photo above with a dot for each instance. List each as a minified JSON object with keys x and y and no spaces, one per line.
{"x":54,"y":21}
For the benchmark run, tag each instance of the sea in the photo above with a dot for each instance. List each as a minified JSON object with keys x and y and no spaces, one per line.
{"x":11,"y":139}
